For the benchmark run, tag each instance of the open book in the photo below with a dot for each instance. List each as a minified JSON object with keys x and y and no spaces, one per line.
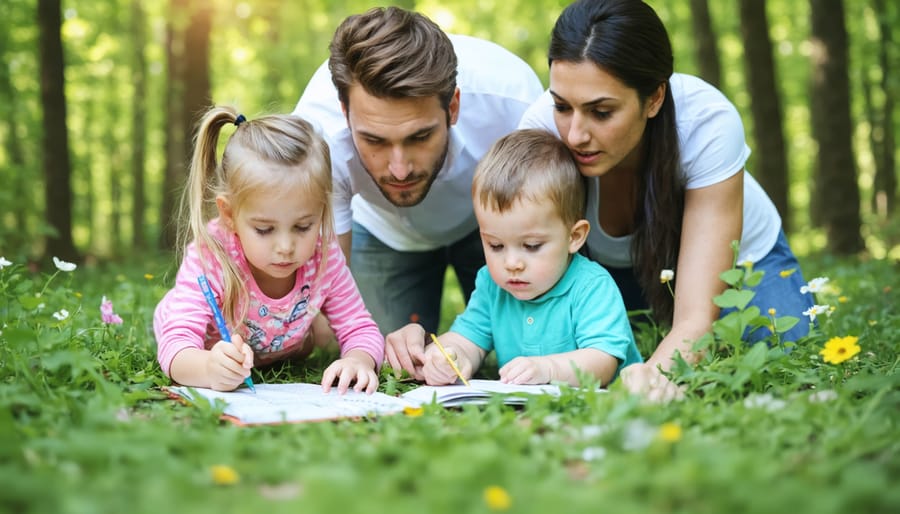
{"x":291,"y":403}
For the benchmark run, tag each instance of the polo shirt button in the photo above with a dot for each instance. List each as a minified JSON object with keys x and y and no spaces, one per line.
{"x":530,"y":320}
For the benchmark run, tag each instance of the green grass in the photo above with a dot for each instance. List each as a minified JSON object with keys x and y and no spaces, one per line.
{"x":84,"y":426}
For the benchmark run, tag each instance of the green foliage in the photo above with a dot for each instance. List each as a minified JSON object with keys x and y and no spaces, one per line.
{"x":84,"y":426}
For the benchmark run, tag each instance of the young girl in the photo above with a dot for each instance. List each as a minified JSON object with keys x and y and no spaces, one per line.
{"x":270,"y":256}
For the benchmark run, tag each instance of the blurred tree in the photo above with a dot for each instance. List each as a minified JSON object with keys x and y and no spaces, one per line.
{"x":138,"y":124}
{"x":705,"y":43}
{"x":188,"y":94}
{"x":765,"y":104}
{"x":836,"y":201}
{"x":57,"y":169}
{"x":12,"y":197}
{"x":884,"y":199}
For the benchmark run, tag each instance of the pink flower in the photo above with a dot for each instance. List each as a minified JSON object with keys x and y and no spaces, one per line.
{"x":106,"y":313}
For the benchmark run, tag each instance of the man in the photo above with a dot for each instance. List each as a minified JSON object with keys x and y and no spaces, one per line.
{"x":408,"y":111}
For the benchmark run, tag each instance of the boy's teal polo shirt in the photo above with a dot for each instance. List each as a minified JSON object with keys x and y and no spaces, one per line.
{"x":583,"y":310}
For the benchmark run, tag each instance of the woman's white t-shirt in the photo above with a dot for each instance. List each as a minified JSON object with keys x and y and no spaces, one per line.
{"x":712,"y":146}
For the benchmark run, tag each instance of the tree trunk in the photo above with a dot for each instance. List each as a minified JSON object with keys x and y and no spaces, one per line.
{"x":138,"y":125}
{"x":56,"y":165}
{"x":188,"y":95}
{"x":765,"y":105}
{"x":14,"y":238}
{"x":705,"y":40}
{"x":885,"y":197}
{"x":837,"y":190}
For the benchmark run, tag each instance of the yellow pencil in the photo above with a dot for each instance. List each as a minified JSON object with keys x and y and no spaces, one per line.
{"x":451,"y":361}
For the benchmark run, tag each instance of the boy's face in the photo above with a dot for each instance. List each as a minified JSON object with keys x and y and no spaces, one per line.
{"x":402,"y":142}
{"x":527,"y":247}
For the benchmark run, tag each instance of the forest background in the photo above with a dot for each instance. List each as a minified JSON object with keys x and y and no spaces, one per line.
{"x":98,"y":102}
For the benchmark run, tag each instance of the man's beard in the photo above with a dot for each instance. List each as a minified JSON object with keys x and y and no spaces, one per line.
{"x":413,"y":198}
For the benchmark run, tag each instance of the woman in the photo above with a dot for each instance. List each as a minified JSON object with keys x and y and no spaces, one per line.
{"x":664,"y":155}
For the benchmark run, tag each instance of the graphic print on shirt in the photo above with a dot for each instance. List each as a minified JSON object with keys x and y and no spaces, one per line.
{"x":270,"y":332}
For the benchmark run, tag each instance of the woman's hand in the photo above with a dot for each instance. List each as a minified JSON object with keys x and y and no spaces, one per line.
{"x":647,"y":380}
{"x":357,"y":367}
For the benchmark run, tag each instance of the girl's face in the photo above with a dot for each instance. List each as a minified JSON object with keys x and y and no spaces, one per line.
{"x":278,"y":230}
{"x":527,"y":247}
{"x":599,"y":118}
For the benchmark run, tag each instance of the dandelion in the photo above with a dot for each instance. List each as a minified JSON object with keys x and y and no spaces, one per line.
{"x":814,"y":311}
{"x":148,"y":276}
{"x":839,"y":349}
{"x":61,"y":314}
{"x":665,"y":276}
{"x":4,"y":263}
{"x":842,"y":299}
{"x":224,"y":475}
{"x":62,"y":265}
{"x":413,"y":412}
{"x":670,"y":432}
{"x":816,"y":285}
{"x":786,"y":272}
{"x":106,"y":313}
{"x":497,"y":498}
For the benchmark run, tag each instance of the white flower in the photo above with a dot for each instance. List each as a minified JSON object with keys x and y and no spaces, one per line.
{"x":638,"y":434}
{"x":814,"y":311}
{"x":4,"y":263}
{"x":63,"y":265}
{"x":666,"y":275}
{"x":825,"y":395}
{"x":764,"y":401}
{"x":61,"y":314}
{"x":815,"y":285}
{"x":593,"y":453}
{"x":41,"y":306}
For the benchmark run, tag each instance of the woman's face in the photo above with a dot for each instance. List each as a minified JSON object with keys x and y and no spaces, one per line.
{"x":599,"y":118}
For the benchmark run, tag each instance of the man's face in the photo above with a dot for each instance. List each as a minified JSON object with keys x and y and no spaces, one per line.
{"x":402,"y":142}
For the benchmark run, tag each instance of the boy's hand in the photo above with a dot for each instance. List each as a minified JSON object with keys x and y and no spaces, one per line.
{"x":229,"y":364}
{"x":405,"y":349}
{"x":357,"y":366}
{"x":437,"y":371}
{"x":527,"y":370}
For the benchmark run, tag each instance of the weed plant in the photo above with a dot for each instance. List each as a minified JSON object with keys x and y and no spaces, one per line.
{"x":86,"y":428}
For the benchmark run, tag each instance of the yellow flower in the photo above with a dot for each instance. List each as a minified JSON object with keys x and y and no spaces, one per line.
{"x":842,"y":299}
{"x":497,"y":498}
{"x":224,"y":475}
{"x":413,"y":412}
{"x":771,"y":311}
{"x":77,"y":294}
{"x":670,"y":432}
{"x":786,"y":273}
{"x":839,"y":349}
{"x":148,"y":276}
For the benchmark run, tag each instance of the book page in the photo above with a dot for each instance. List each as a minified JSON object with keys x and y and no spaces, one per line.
{"x":285,"y":403}
{"x":477,"y":392}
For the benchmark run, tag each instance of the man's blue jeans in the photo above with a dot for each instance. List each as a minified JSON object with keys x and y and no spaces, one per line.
{"x":401,"y":287}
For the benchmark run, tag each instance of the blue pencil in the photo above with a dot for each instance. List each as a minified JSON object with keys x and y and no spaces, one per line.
{"x":220,"y":320}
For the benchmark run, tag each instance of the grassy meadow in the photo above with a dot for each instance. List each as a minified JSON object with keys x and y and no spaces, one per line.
{"x":85,"y":427}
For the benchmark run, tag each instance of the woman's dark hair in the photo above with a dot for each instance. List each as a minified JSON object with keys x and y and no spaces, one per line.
{"x":628,"y":40}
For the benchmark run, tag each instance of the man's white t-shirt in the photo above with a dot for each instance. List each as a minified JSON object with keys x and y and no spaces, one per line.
{"x":712,"y":146}
{"x":496,"y":87}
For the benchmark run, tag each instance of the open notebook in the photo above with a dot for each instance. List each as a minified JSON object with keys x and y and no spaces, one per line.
{"x":292,"y":403}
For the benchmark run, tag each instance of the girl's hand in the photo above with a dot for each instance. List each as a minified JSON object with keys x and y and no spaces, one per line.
{"x":527,"y":370}
{"x":228,"y":364}
{"x":405,"y":349}
{"x":647,"y":380}
{"x":357,"y":366}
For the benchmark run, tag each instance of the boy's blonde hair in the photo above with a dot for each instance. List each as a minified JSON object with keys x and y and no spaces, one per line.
{"x":273,"y":152}
{"x":534,"y":165}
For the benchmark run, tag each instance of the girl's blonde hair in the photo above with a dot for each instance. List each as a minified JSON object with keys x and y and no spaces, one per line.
{"x":534,"y":165}
{"x":269,"y":153}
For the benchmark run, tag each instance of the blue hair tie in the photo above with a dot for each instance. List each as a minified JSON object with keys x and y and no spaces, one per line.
{"x":240,"y":119}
